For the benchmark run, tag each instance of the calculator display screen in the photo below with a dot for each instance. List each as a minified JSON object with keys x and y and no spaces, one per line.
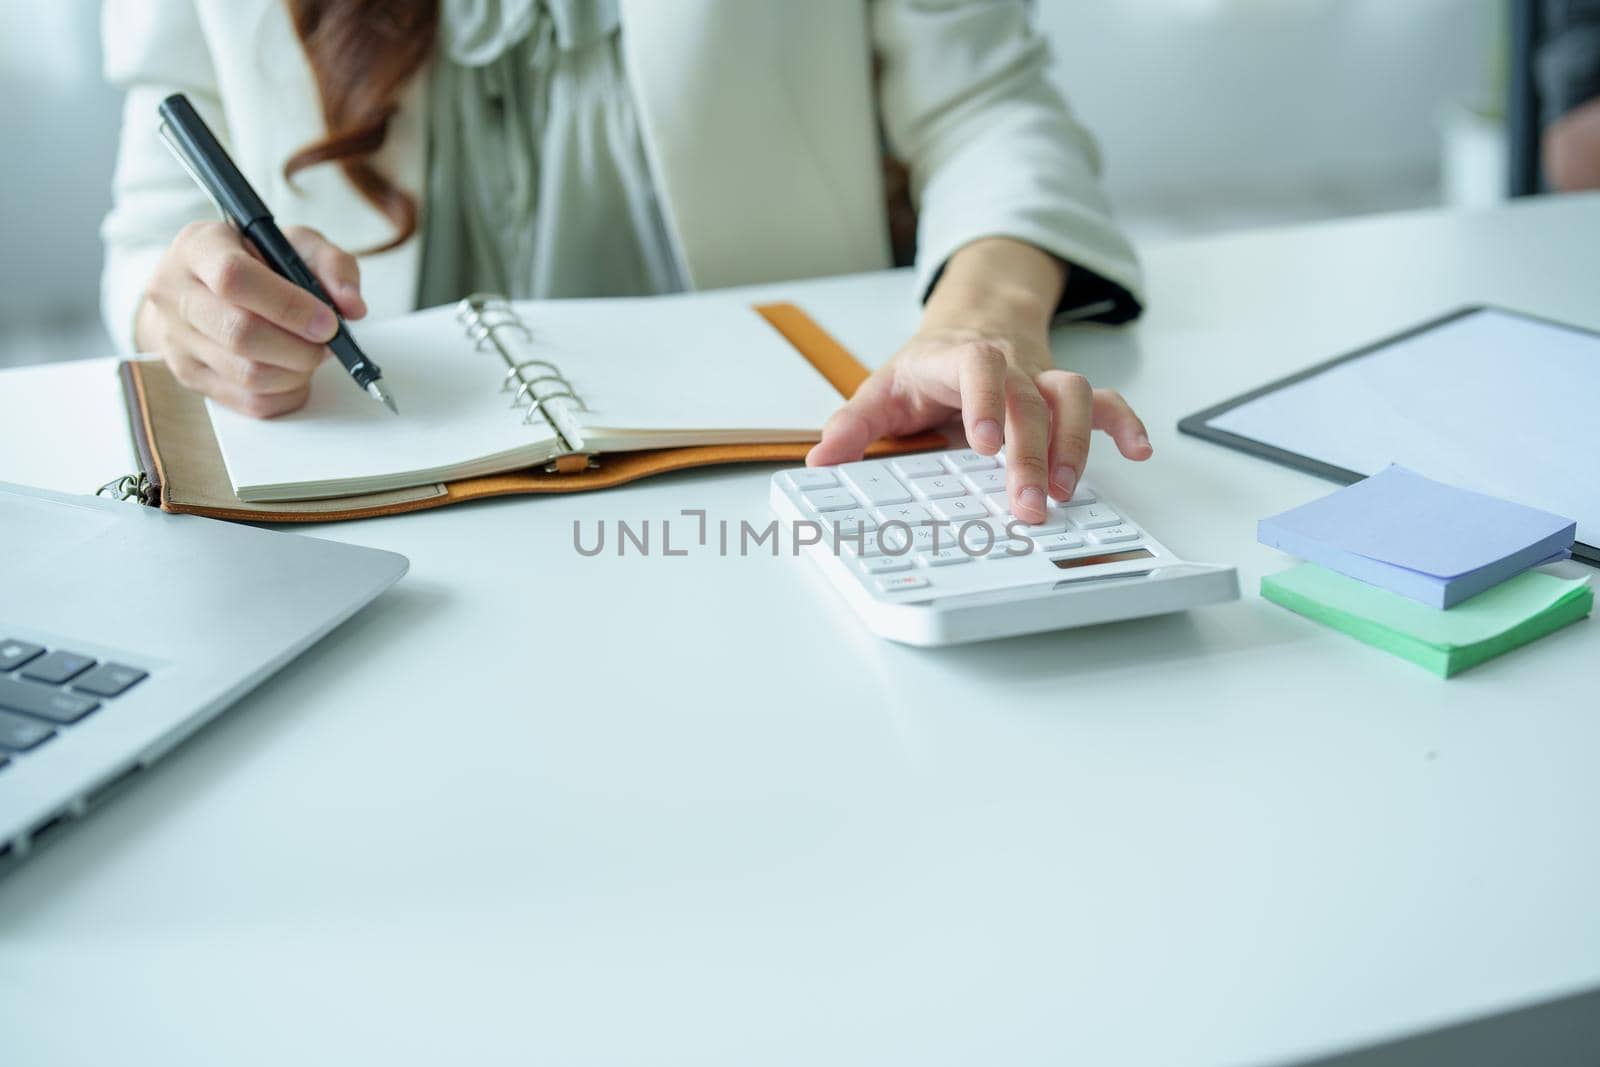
{"x":1109,"y":557}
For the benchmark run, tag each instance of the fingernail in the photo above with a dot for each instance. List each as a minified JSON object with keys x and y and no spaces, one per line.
{"x":986,"y":433}
{"x":1142,"y":441}
{"x":322,"y":325}
{"x":1066,"y":480}
{"x":1031,"y":499}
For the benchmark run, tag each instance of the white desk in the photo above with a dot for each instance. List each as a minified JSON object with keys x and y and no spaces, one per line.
{"x":537,"y":808}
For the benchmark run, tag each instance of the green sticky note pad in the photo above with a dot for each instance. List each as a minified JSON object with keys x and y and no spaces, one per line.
{"x":1447,"y":641}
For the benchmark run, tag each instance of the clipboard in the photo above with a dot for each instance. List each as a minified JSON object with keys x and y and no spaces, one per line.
{"x":1204,"y":424}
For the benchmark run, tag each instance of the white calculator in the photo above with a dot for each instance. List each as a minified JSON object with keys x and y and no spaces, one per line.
{"x":925,"y":549}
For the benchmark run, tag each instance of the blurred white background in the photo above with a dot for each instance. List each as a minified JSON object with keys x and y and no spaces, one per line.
{"x":1214,"y":115}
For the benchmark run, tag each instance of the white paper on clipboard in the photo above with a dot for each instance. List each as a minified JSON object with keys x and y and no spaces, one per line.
{"x":1492,"y":401}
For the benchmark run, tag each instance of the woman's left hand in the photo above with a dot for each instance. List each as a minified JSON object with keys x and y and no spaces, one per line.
{"x":983,"y":350}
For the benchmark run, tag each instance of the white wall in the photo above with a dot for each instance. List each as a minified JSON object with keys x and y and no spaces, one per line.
{"x":58,"y":128}
{"x":1210,"y":101}
{"x":1220,"y":110}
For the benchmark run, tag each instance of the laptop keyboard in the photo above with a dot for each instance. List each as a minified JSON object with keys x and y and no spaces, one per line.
{"x":43,"y":690}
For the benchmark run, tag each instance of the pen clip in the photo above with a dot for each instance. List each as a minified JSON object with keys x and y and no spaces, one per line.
{"x":176,"y":148}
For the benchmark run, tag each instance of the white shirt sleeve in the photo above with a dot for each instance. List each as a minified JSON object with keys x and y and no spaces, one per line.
{"x":993,"y":149}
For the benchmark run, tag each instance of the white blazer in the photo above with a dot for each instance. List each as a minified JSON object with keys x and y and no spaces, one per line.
{"x":758,"y":117}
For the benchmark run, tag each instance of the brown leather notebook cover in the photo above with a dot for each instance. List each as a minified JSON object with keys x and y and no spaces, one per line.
{"x":183,"y":469}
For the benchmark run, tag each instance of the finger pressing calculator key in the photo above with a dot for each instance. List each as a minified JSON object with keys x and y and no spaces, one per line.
{"x":905,"y":525}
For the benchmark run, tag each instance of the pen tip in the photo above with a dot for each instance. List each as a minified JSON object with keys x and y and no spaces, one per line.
{"x":382,"y":397}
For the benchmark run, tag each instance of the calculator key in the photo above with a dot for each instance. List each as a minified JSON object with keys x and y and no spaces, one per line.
{"x":1011,"y":549}
{"x":1055,"y":521}
{"x":18,"y":734}
{"x":846,"y":523}
{"x":945,"y":557}
{"x":1060,"y":542}
{"x":975,"y":533}
{"x":918,"y":466}
{"x":884,"y":564}
{"x":897,"y":540}
{"x":968,"y":460}
{"x":43,"y":701}
{"x":14,"y":654}
{"x":1113,"y":535}
{"x":939,"y":486}
{"x":1081,"y":495}
{"x":876,"y":482}
{"x":973,"y":536}
{"x":901,"y":583}
{"x":57,"y":667}
{"x":109,"y":680}
{"x":960,"y":508}
{"x":808,"y":478}
{"x":1091,"y":516}
{"x":868,"y":547}
{"x":989,"y":481}
{"x":910,"y":514}
{"x":819,"y":500}
{"x":887,"y":541}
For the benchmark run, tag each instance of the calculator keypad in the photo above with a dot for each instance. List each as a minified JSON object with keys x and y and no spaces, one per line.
{"x":906,"y":526}
{"x":918,"y":466}
{"x":938,"y":487}
{"x":821,"y":500}
{"x":875,"y":483}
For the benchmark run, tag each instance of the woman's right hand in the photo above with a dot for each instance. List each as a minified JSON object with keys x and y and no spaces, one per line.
{"x":232,"y":328}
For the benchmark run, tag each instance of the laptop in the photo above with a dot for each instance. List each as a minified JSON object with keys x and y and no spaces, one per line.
{"x":124,"y":629}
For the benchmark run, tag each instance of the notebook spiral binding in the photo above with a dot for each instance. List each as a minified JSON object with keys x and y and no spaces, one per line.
{"x":491,"y":324}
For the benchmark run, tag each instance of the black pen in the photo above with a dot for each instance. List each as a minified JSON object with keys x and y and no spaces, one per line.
{"x":192,"y":141}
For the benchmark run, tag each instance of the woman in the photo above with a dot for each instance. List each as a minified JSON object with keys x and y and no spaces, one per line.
{"x":550,"y":148}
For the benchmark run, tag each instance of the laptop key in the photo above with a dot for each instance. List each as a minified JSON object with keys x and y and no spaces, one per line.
{"x":109,"y":680}
{"x":18,"y":734}
{"x":43,"y":702}
{"x":57,"y":667}
{"x":14,"y":654}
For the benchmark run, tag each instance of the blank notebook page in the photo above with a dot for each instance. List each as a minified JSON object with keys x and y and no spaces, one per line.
{"x":452,"y":414}
{"x":703,"y":365}
{"x":1492,"y":402}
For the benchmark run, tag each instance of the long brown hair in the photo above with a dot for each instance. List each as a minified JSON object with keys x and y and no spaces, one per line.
{"x":362,"y":53}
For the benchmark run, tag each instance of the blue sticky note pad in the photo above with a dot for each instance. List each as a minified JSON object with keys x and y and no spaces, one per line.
{"x":1432,"y":542}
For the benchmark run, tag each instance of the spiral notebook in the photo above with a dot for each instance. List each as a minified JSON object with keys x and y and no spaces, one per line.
{"x":500,"y":398}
